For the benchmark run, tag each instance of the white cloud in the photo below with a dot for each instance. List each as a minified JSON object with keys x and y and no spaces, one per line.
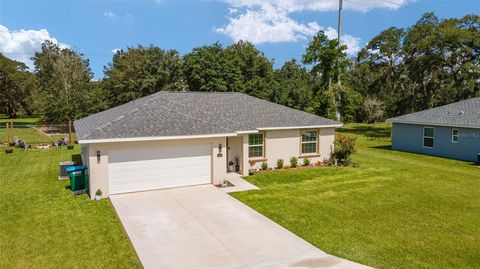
{"x":232,"y":11}
{"x":22,"y":45}
{"x":320,"y":5}
{"x":353,"y":43}
{"x":267,"y":24}
{"x":109,"y":14}
{"x":115,"y":50}
{"x":269,"y":21}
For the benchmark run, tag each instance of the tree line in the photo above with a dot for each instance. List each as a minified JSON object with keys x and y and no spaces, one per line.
{"x":401,"y":70}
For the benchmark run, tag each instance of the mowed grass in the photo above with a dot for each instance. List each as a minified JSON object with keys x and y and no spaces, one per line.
{"x":43,"y":225}
{"x":23,"y":128}
{"x":396,"y":210}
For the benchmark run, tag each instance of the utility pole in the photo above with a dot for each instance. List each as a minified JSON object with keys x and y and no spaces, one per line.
{"x":340,"y":9}
{"x":339,"y":31}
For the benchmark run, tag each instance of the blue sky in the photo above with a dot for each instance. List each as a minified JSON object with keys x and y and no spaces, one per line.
{"x":281,"y":29}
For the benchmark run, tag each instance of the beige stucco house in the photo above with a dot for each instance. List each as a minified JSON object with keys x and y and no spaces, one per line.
{"x":173,"y":139}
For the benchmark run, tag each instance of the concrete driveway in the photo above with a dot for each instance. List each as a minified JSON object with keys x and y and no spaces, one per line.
{"x":203,"y":227}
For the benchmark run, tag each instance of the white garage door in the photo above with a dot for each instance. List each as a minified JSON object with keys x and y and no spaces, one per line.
{"x":149,"y":168}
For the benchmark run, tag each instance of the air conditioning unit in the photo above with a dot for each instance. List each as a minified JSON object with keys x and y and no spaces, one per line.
{"x":63,"y":168}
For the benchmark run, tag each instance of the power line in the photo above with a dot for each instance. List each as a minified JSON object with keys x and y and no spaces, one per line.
{"x":392,"y":3}
{"x":403,"y":5}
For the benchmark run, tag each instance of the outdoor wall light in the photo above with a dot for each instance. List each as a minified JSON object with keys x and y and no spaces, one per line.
{"x":219,"y":148}
{"x":98,"y":156}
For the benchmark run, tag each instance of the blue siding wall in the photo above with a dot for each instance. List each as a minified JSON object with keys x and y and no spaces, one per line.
{"x":409,"y":137}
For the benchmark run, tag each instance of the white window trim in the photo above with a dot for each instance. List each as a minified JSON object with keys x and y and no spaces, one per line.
{"x":257,"y":145}
{"x":458,"y":135}
{"x":432,"y":137}
{"x":308,"y":142}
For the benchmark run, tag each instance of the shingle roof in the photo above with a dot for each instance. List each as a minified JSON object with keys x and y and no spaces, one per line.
{"x":461,"y":114}
{"x":191,"y":113}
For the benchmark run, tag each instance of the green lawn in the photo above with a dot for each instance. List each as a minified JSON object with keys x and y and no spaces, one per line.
{"x":23,"y":130}
{"x":43,"y":225}
{"x":396,"y":210}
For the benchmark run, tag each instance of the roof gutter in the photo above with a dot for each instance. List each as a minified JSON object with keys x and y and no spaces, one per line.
{"x":247,"y":132}
{"x":160,"y":138}
{"x":151,"y":138}
{"x":434,"y":124}
{"x":300,"y":127}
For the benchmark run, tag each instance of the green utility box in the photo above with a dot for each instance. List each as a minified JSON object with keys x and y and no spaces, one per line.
{"x":78,"y":178}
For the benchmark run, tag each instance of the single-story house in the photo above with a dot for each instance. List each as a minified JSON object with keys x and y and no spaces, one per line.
{"x":172,"y":139}
{"x":451,"y":131}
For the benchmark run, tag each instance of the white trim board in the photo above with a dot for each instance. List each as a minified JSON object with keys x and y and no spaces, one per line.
{"x":435,"y":124}
{"x":156,"y":138}
{"x":248,"y":132}
{"x":300,"y":127}
{"x":151,"y":138}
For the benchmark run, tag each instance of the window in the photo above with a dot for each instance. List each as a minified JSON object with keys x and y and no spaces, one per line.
{"x":309,"y":142}
{"x":255,"y":145}
{"x":428,"y":137}
{"x":454,"y":135}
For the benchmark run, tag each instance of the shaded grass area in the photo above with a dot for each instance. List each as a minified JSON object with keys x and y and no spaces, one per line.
{"x":397,"y":210}
{"x":382,"y":130}
{"x":19,"y":121}
{"x":43,"y":225}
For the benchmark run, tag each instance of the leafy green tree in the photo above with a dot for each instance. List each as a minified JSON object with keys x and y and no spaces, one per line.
{"x":351,"y":103}
{"x":94,"y":99}
{"x":140,"y":71}
{"x":255,"y":69}
{"x":207,"y":69}
{"x":324,"y":104}
{"x":16,"y":86}
{"x":442,"y":59}
{"x":64,"y":79}
{"x":293,"y":86}
{"x":237,"y":68}
{"x":431,"y":63}
{"x":329,"y":60}
{"x":422,"y":61}
{"x":329,"y":64}
{"x":380,"y":70}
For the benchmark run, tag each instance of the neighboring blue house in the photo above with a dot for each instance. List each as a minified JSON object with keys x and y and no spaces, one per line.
{"x":451,"y":131}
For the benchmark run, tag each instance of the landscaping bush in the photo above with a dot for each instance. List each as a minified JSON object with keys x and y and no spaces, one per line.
{"x":344,"y":147}
{"x":294,"y":162}
{"x":264,"y":165}
{"x":306,"y":161}
{"x":279,"y":163}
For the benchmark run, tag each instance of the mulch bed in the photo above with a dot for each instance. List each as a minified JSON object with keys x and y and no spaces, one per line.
{"x":300,"y":167}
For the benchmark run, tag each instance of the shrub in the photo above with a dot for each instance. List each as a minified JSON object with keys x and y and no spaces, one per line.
{"x":344,"y":147}
{"x":264,"y":165}
{"x":306,"y":161}
{"x":294,"y":162}
{"x":279,"y":163}
{"x":252,"y":163}
{"x":373,"y":110}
